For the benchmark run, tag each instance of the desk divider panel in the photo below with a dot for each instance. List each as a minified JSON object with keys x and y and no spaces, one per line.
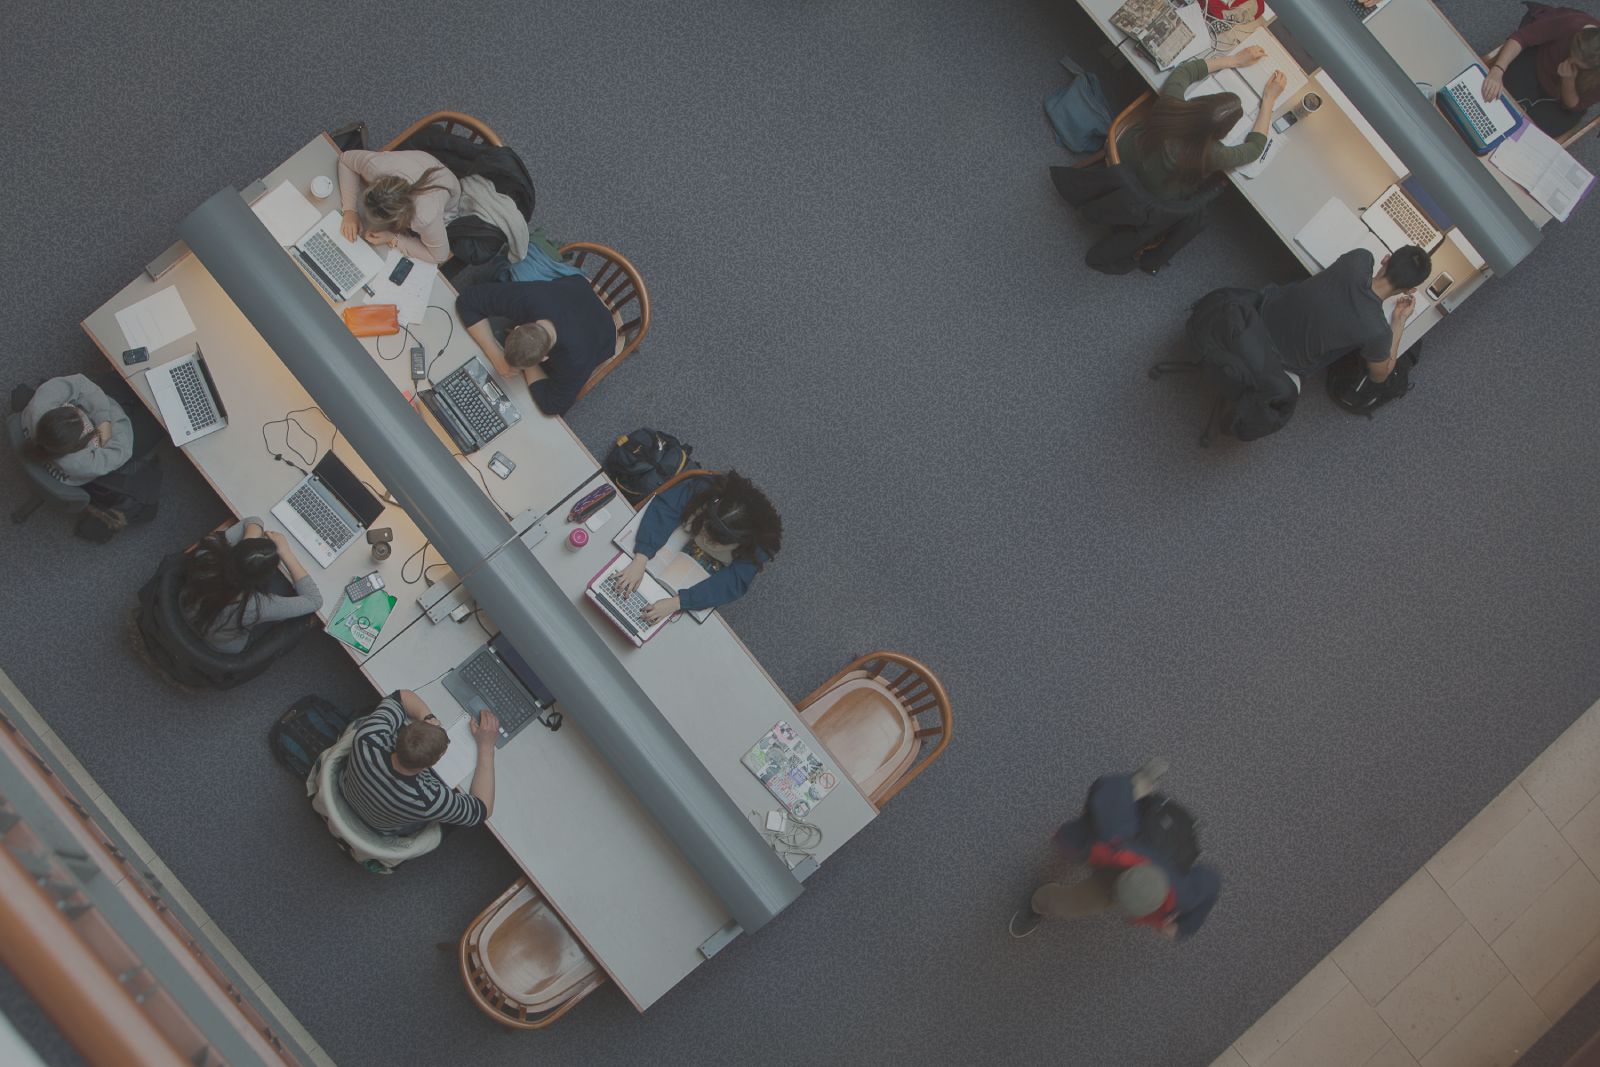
{"x":600,"y":697}
{"x":1413,"y":127}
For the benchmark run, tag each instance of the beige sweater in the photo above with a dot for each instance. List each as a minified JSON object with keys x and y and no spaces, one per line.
{"x":434,"y":208}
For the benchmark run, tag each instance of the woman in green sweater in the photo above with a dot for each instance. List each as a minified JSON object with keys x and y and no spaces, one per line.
{"x":1179,"y":144}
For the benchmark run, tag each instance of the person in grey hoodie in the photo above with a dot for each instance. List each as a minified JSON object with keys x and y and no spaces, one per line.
{"x":75,"y":431}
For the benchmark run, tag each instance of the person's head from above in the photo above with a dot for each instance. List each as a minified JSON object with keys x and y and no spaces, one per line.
{"x":419,"y":745}
{"x":389,"y":205}
{"x":1186,"y":129}
{"x":1402,"y":271}
{"x":1140,"y":891}
{"x":530,"y":343}
{"x":731,"y":514}
{"x":1585,"y":56}
{"x":59,"y":432}
{"x":220,"y":576}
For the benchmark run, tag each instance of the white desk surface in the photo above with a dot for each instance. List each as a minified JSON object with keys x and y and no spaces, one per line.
{"x":575,"y":829}
{"x":588,"y":846}
{"x":1329,"y":155}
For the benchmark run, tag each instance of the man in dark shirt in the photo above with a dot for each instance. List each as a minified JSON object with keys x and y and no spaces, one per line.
{"x":1339,"y":311}
{"x":560,"y":333}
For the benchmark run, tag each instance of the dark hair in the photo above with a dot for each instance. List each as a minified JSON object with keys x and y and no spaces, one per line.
{"x":220,"y":578}
{"x":59,"y":432}
{"x":418,"y":745}
{"x":1408,"y":267}
{"x":390,"y":203}
{"x":1188,"y":130}
{"x":732,"y":511}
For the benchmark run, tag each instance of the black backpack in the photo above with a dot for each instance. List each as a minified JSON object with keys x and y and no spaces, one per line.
{"x":1353,"y":390}
{"x":302,"y":733}
{"x":640,"y":462}
{"x":1167,"y":829}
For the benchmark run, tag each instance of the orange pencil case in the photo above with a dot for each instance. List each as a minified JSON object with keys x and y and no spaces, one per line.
{"x":373,"y":320}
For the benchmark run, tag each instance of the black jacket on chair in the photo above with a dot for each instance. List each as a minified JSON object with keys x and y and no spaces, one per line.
{"x":472,"y":240}
{"x":1229,"y":338}
{"x":184,"y":656}
{"x":1113,"y":196}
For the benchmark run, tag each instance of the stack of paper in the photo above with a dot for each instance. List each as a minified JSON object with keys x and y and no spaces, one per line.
{"x":410,"y":297}
{"x":1532,"y":158}
{"x":286,"y":214}
{"x":460,"y":761}
{"x":156,"y":321}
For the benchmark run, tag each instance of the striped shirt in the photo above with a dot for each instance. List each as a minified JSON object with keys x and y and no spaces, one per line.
{"x":391,"y":802}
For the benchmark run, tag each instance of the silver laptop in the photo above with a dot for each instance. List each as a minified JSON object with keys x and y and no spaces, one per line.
{"x":339,"y":267}
{"x":627,"y":612}
{"x":188,"y":399}
{"x":328,"y":510}
{"x":1398,"y":220}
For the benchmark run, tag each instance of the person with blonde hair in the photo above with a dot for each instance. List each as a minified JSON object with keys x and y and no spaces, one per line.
{"x":398,"y":200}
{"x":1550,"y":66}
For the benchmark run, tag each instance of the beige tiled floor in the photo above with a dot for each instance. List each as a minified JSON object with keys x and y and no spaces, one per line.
{"x":1475,"y":957}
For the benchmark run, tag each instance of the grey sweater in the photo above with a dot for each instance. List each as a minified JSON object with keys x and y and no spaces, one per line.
{"x":94,"y":460}
{"x":225,"y":636}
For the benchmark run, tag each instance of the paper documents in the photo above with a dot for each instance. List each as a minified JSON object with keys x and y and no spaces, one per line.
{"x":1532,"y":158}
{"x":286,"y":214}
{"x":1249,"y":82}
{"x":1159,"y":28}
{"x":410,"y":296}
{"x":157,"y":320}
{"x":460,"y":760}
{"x":1335,"y":230}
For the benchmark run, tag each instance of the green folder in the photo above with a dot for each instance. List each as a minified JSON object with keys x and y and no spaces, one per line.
{"x":357,"y":625}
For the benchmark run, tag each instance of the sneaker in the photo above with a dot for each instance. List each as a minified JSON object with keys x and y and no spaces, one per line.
{"x":1145,"y":778}
{"x":1025,"y":922}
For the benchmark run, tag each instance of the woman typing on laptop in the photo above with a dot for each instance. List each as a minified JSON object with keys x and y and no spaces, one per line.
{"x":733,"y":530}
{"x":1551,"y":65}
{"x":398,"y":200}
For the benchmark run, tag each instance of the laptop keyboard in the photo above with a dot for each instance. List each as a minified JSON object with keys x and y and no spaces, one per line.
{"x":1361,"y":11}
{"x":196,"y":398}
{"x":331,"y":258}
{"x":309,"y":505}
{"x":470,"y":403}
{"x":1471,"y":108}
{"x":629,"y":610}
{"x":1412,"y":222}
{"x":505,"y":697}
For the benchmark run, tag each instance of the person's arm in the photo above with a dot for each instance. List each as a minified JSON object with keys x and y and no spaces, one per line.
{"x":1493,"y":81}
{"x":478,"y":303}
{"x":1113,"y":810}
{"x":554,"y":394}
{"x":93,"y":400}
{"x":291,"y":562}
{"x":249,"y":526}
{"x":431,"y":245}
{"x":412,"y":705}
{"x":1567,"y":71}
{"x":352,"y":174}
{"x":55,"y":393}
{"x":1190,"y":71}
{"x":662,"y":516}
{"x":485,"y":730}
{"x":1230,"y":60}
{"x":723,"y":587}
{"x":1379,"y":371}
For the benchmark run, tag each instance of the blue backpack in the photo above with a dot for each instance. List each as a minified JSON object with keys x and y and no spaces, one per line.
{"x":1079,"y":112}
{"x":302,"y":733}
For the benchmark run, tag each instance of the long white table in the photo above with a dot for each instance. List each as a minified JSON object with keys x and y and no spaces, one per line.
{"x":578,"y":832}
{"x":1334,"y":153}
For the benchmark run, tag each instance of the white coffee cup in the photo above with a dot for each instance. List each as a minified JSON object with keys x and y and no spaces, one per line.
{"x":322,"y":187}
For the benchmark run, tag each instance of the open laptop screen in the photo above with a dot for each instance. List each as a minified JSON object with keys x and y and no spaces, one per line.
{"x":343,"y":483}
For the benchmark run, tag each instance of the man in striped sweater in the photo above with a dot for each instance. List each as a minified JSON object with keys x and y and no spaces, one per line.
{"x":387,"y":779}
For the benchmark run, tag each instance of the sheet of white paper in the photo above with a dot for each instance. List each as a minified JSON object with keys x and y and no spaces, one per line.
{"x":1422,"y":304}
{"x":1277,"y":58}
{"x":460,"y":760}
{"x":672,"y":567}
{"x":1253,"y":170}
{"x":286,"y":214}
{"x":1534,"y":160}
{"x":157,"y":320}
{"x":410,"y":297}
{"x":1194,"y":18}
{"x":1335,"y":230}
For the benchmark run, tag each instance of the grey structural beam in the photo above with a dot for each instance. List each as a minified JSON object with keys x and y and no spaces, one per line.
{"x":1413,"y":127}
{"x":598,"y":695}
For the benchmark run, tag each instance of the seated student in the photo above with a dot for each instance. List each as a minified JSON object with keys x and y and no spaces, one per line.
{"x":1340,"y":310}
{"x":386,"y":778}
{"x":74,"y":430}
{"x":225,"y":585}
{"x":561,"y":333}
{"x":1179,"y":143}
{"x":398,"y":200}
{"x":734,"y":532}
{"x":1551,"y":66}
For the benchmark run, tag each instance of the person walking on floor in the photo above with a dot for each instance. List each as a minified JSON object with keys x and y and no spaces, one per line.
{"x":1140,"y":849}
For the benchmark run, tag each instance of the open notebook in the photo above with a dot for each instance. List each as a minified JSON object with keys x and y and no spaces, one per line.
{"x":1248,"y":83}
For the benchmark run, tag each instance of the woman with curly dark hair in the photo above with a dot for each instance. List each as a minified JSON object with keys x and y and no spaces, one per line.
{"x":733,"y":530}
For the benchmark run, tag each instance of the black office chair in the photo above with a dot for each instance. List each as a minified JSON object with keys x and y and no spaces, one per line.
{"x":174,"y":648}
{"x":44,"y":487}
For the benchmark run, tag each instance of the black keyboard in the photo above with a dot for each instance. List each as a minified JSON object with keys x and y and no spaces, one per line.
{"x":504,"y":695}
{"x":196,"y":398}
{"x":458,"y":430}
{"x":464,"y":393}
{"x":327,"y":524}
{"x":331,"y":258}
{"x":1362,"y":11}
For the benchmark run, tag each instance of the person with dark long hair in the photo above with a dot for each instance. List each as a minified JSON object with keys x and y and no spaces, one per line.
{"x":75,"y":431}
{"x":1179,"y":143}
{"x":734,"y":531}
{"x":398,"y":200}
{"x":227,"y":585}
{"x":1551,"y":65}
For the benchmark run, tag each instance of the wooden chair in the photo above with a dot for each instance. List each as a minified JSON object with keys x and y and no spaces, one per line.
{"x":1128,"y":116}
{"x":522,"y":966}
{"x":453,"y":122}
{"x":867,"y":715}
{"x":681,"y":476}
{"x":618,"y":285}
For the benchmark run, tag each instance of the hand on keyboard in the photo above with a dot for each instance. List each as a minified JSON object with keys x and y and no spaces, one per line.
{"x":625,"y":581}
{"x":1491,"y":85}
{"x":661,"y":609}
{"x":486,"y":730}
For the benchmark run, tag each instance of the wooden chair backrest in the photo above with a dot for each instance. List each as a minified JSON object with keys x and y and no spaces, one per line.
{"x":618,"y":285}
{"x":1128,"y":116}
{"x":453,"y":122}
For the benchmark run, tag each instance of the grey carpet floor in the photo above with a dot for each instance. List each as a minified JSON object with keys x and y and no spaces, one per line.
{"x":1347,"y":638}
